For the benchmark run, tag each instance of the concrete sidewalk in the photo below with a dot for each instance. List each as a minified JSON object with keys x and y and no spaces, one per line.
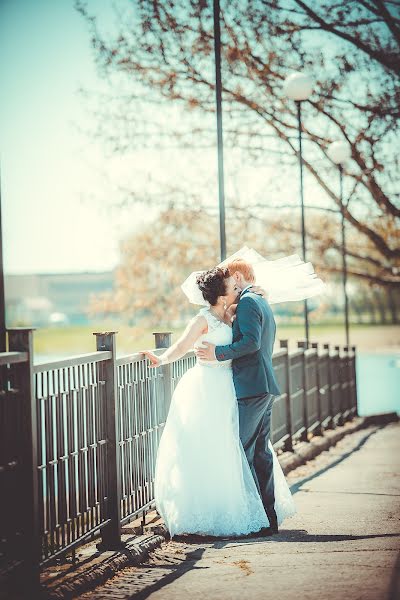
{"x":343,"y":542}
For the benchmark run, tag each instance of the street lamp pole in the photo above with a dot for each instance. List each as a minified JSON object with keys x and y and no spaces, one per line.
{"x":339,"y":153}
{"x":298,"y":87}
{"x":344,"y":261}
{"x":220,"y":142}
{"x":2,"y":297}
{"x":303,"y":222}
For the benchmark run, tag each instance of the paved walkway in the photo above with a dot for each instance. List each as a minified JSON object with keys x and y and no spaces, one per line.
{"x":343,"y":542}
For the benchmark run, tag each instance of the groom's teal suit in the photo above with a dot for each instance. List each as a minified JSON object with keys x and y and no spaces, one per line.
{"x":251,"y":350}
{"x":255,"y":384}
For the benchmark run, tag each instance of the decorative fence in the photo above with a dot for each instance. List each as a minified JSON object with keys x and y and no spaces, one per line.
{"x":80,"y":439}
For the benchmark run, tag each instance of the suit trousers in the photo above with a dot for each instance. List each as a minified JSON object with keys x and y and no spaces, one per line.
{"x":255,"y":431}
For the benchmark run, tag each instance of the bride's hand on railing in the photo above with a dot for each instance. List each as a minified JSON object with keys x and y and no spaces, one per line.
{"x":260,"y":291}
{"x":155,"y":361}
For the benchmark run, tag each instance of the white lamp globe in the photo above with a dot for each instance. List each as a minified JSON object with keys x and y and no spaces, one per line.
{"x":298,"y":86}
{"x":339,"y":152}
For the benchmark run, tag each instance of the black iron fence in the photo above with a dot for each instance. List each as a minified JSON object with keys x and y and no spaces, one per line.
{"x":80,"y":437}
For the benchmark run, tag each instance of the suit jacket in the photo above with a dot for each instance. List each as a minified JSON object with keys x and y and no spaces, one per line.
{"x":251,"y":350}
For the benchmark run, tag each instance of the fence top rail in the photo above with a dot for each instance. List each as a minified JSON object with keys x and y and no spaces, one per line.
{"x":73,"y":361}
{"x":296,"y":353}
{"x":279,"y":353}
{"x":138,"y":356}
{"x":311,"y":352}
{"x":10,"y":358}
{"x":135,"y":357}
{"x":94,"y":357}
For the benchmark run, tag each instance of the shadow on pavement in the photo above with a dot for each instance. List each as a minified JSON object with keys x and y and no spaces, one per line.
{"x":175,"y":569}
{"x":301,"y":535}
{"x":296,"y":486}
{"x":156,"y":576}
{"x":284,"y":535}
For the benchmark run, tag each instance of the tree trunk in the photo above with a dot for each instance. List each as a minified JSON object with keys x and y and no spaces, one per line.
{"x":357,"y":308}
{"x":372,"y":313}
{"x":380,"y":306}
{"x":392,"y":305}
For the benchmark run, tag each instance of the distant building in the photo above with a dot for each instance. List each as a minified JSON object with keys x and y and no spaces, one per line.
{"x":53,"y":299}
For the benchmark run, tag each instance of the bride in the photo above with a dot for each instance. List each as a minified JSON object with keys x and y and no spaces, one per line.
{"x":203,"y":481}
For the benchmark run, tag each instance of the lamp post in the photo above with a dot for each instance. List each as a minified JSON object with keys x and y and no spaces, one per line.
{"x":2,"y":299}
{"x":339,"y":153}
{"x":298,"y":87}
{"x":220,"y":144}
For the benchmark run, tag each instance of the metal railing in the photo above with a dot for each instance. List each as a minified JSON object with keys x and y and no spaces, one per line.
{"x":80,"y":437}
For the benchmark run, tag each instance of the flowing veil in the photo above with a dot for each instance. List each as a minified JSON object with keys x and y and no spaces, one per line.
{"x":286,"y":279}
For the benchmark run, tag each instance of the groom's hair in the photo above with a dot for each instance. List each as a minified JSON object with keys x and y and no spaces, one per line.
{"x":245,"y":268}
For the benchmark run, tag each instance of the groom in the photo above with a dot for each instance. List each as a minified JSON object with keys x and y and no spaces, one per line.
{"x":253,"y":375}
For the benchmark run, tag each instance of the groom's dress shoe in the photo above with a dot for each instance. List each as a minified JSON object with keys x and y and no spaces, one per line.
{"x":273,"y":524}
{"x":265,"y":531}
{"x":273,"y":520}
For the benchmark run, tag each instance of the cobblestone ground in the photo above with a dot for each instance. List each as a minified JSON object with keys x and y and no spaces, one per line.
{"x":344,"y":540}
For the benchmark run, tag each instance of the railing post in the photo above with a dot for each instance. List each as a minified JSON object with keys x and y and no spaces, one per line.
{"x":318,"y":430}
{"x":340,"y":378}
{"x":111,"y":533}
{"x":304,"y":435}
{"x":331,"y":423}
{"x":21,"y":340}
{"x":289,"y":429}
{"x":163,"y":340}
{"x":349,"y":402}
{"x":354,"y":374}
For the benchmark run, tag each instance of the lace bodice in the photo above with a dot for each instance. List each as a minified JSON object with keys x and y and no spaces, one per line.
{"x":218,"y":333}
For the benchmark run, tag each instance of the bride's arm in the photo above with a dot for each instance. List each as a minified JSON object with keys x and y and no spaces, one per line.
{"x":194,"y":329}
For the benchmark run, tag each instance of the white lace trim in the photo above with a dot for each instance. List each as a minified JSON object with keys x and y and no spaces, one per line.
{"x":250,"y":518}
{"x":212,"y":321}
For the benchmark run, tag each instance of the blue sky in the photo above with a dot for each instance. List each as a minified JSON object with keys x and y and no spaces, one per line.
{"x":49,"y":169}
{"x":58,"y":184}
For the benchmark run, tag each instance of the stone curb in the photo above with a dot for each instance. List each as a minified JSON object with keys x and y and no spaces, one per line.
{"x":305,"y":451}
{"x":110,"y":562}
{"x":107,"y":564}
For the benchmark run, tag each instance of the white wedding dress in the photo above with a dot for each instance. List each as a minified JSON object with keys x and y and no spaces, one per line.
{"x":203,"y":482}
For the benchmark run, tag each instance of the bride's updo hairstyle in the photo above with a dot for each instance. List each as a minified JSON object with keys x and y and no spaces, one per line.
{"x":212,"y":284}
